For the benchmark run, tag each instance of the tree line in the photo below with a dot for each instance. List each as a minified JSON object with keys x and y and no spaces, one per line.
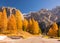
{"x":14,"y":24}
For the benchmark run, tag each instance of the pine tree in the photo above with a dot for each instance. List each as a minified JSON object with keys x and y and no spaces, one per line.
{"x":25,"y":25}
{"x":3,"y":21}
{"x":12,"y":28}
{"x":53,"y":30}
{"x":18,"y":20}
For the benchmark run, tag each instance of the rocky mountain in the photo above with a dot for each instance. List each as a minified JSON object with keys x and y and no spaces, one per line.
{"x":45,"y":15}
{"x":56,"y":11}
{"x":10,"y":10}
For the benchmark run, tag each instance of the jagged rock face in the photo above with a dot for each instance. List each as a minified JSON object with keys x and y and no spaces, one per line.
{"x":56,"y":11}
{"x":45,"y":18}
{"x":10,"y":11}
{"x":44,"y":15}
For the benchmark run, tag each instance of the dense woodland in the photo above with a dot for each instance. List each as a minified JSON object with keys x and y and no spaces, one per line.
{"x":14,"y":24}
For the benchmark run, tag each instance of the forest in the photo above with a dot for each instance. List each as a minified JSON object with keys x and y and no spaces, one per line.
{"x":13,"y":25}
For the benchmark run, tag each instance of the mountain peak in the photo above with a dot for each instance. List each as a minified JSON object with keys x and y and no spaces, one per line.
{"x":48,"y":16}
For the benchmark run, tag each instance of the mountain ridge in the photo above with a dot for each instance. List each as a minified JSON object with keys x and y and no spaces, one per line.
{"x":48,"y":16}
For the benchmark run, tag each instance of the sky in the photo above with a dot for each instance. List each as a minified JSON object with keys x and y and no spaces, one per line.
{"x":26,"y":6}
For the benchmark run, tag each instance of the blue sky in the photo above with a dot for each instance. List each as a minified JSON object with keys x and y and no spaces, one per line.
{"x":30,"y":5}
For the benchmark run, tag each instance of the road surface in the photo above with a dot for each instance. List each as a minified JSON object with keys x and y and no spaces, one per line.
{"x":30,"y":40}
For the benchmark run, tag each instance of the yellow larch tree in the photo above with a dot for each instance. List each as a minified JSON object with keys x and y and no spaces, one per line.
{"x":0,"y":14}
{"x":25,"y":24}
{"x":59,"y":32}
{"x":38,"y":30}
{"x":55,"y":26}
{"x":53,"y":30}
{"x":35,"y":27}
{"x":4,"y":20}
{"x":12,"y":28}
{"x":18,"y":20}
{"x":30,"y":21}
{"x":29,"y":25}
{"x":0,"y":22}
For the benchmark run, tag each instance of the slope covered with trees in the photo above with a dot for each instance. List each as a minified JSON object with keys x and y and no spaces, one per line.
{"x":16,"y":26}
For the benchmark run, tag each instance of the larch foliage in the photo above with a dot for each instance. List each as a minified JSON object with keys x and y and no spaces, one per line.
{"x":35,"y":27}
{"x":30,"y":22}
{"x":25,"y":24}
{"x":0,"y":22}
{"x":59,"y":32}
{"x":55,"y":26}
{"x":18,"y":20}
{"x":3,"y":20}
{"x":0,"y":14}
{"x":12,"y":28}
{"x":29,"y":25}
{"x":38,"y":30}
{"x":53,"y":30}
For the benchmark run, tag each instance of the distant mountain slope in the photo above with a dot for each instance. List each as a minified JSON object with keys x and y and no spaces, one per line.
{"x":45,"y":15}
